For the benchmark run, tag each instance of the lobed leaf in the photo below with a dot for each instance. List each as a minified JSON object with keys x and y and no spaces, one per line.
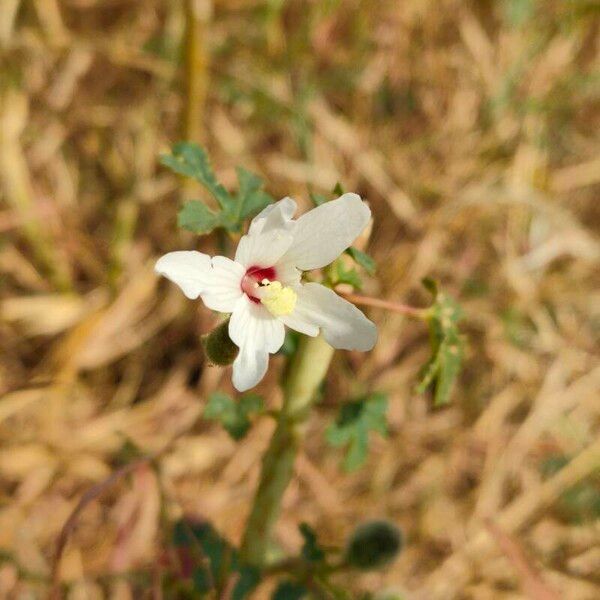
{"x":213,"y":560}
{"x":192,"y":161}
{"x":354,"y":424}
{"x":233,"y":415}
{"x":447,"y":346}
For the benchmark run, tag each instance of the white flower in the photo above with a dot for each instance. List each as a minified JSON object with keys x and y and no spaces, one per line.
{"x":262,"y":287}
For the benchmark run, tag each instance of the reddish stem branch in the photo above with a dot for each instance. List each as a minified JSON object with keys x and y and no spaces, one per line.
{"x":534,"y":585}
{"x":403,"y":309}
{"x":89,"y":496}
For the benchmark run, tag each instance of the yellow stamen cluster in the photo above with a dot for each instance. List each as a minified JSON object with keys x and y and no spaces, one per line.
{"x":277,"y":299}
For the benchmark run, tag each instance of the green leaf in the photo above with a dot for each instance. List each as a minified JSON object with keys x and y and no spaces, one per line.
{"x":202,"y":581}
{"x":204,"y":544}
{"x":311,"y":551}
{"x":363,"y":259}
{"x":248,"y":579}
{"x":250,"y":199}
{"x":338,"y":190}
{"x":355,"y":421}
{"x":318,"y":199}
{"x":349,"y":276}
{"x":447,"y":346}
{"x":213,"y":559}
{"x":289,"y":590}
{"x":233,"y":415}
{"x":192,"y":161}
{"x":198,"y":218}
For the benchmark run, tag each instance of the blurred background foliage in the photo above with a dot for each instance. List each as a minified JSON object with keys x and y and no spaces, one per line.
{"x":472,"y":129}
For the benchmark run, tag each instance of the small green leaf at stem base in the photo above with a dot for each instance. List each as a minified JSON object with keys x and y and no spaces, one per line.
{"x":210,"y":562}
{"x":353,"y":425}
{"x":233,"y":415}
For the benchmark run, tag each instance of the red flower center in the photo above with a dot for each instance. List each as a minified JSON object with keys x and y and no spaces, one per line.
{"x":256,"y":275}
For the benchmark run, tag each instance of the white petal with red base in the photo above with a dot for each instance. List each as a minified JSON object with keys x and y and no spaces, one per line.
{"x":261,"y":288}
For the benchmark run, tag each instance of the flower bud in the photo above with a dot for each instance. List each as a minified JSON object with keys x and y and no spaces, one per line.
{"x":373,"y":545}
{"x":219,"y":348}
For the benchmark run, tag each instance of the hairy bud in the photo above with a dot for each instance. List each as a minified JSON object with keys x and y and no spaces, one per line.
{"x":219,"y":348}
{"x":373,"y":545}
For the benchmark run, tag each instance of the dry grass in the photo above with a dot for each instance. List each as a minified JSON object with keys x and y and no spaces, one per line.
{"x":471,"y":127}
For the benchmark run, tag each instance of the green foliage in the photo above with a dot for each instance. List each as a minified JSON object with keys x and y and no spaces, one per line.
{"x":233,"y":415}
{"x":318,"y":199}
{"x":363,"y":259}
{"x":190,"y":160}
{"x":373,"y":545}
{"x":213,"y":560}
{"x":447,"y":346}
{"x":289,"y":590}
{"x":198,"y":218}
{"x":290,"y":343}
{"x":356,"y":419}
{"x":311,"y":551}
{"x":338,"y":273}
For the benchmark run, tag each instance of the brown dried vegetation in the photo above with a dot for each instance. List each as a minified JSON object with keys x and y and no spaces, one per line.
{"x":472,"y":129}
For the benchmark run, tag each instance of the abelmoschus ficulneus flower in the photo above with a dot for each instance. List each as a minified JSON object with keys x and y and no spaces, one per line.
{"x":262,"y":287}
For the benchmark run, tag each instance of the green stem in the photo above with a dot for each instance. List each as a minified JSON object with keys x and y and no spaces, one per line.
{"x":307,"y":370}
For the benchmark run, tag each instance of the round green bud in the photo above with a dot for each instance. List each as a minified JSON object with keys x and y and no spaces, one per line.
{"x":219,"y":348}
{"x":373,"y":545}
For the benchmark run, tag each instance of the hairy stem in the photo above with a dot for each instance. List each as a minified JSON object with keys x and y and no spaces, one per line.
{"x":198,"y":14}
{"x":307,"y":370}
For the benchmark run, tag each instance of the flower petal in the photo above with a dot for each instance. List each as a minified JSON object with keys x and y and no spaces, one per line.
{"x":263,"y":249}
{"x":224,"y":288}
{"x":249,"y":367}
{"x":257,"y":333}
{"x":323,"y":233}
{"x":274,"y":216}
{"x":190,"y":270}
{"x":343,"y":325}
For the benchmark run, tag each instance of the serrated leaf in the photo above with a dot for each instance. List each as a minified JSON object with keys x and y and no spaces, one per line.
{"x":363,"y":259}
{"x":198,"y":218}
{"x":233,"y":415}
{"x":192,"y":161}
{"x":355,"y":421}
{"x":250,"y":199}
{"x":311,"y":551}
{"x":214,"y":559}
{"x":447,"y":346}
{"x":289,"y":590}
